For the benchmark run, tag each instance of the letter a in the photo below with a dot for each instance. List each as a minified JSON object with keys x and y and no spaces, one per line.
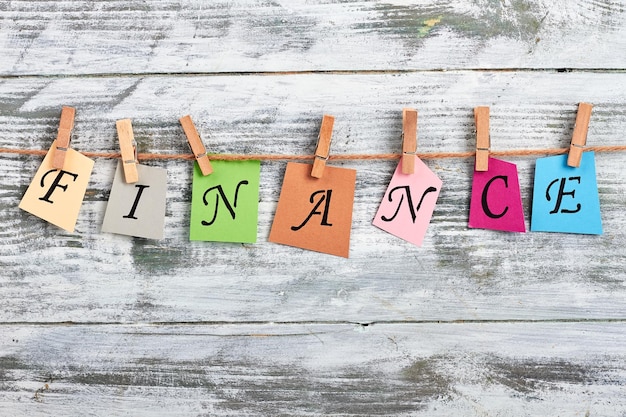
{"x":326,"y":194}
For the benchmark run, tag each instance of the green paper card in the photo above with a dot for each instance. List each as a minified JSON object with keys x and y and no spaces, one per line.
{"x":225,"y":204}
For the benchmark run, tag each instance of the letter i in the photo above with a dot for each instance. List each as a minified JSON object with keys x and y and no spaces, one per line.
{"x":131,"y":215}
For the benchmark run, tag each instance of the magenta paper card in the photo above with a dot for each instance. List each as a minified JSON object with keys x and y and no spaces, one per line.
{"x":409,"y":203}
{"x":496,"y":202}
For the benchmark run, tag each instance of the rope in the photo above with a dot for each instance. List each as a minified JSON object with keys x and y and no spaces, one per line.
{"x":344,"y":157}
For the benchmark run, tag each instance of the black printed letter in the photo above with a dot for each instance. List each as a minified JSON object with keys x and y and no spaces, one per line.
{"x":55,"y":184}
{"x":486,"y":209}
{"x":220,"y":193}
{"x":560,"y":195}
{"x":409,"y":200}
{"x":131,"y":215}
{"x":326,"y":194}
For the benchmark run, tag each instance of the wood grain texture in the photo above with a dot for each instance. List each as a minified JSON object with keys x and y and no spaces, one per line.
{"x":72,"y":37}
{"x":459,"y":273}
{"x":339,"y":370}
{"x":475,"y":322}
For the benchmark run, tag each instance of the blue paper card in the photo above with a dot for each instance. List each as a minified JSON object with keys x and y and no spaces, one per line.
{"x":565,"y":199}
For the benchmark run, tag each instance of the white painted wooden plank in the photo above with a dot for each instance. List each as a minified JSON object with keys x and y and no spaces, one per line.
{"x":512,"y":369}
{"x":78,"y":37}
{"x":281,"y":114}
{"x":458,"y":274}
{"x":314,"y":363}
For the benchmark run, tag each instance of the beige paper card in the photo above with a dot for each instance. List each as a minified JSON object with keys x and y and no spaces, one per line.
{"x":56,"y":195}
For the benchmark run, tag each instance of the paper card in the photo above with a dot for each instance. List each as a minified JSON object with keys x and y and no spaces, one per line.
{"x":565,"y":199}
{"x":315,"y":213}
{"x":225,"y":204}
{"x":409,"y":202}
{"x":137,"y":209}
{"x":56,"y":195}
{"x":496,"y":199}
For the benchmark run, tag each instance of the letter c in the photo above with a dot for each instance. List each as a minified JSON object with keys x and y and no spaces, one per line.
{"x":485,"y":206}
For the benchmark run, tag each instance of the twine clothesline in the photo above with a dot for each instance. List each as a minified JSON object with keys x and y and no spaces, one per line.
{"x":332,"y":157}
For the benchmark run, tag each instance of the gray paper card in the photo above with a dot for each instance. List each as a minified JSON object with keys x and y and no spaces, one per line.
{"x":137,"y":209}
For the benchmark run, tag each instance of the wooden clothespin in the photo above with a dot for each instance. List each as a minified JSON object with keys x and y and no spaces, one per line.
{"x":323,"y":146}
{"x":409,"y":140}
{"x":579,"y":137}
{"x":63,"y":136}
{"x":128,"y":148}
{"x":196,"y":145}
{"x":483,"y":142}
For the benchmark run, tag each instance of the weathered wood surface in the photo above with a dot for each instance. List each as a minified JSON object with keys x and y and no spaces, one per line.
{"x":459,"y":273}
{"x":496,"y":369}
{"x":73,"y":37}
{"x":116,"y":325}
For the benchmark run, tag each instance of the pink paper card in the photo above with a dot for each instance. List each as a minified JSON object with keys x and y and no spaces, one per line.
{"x":496,"y":202}
{"x":409,"y":202}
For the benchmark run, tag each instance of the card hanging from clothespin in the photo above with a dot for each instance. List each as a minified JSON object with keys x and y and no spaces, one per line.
{"x":411,"y":181}
{"x":572,"y":176}
{"x":62,"y":168}
{"x":301,"y":220}
{"x":234,"y":183}
{"x":409,"y":140}
{"x":323,"y":146}
{"x":136,"y":205}
{"x":496,"y":200}
{"x":63,"y":136}
{"x":483,"y":141}
{"x":196,"y":145}
{"x":579,"y":137}
{"x":128,"y":148}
